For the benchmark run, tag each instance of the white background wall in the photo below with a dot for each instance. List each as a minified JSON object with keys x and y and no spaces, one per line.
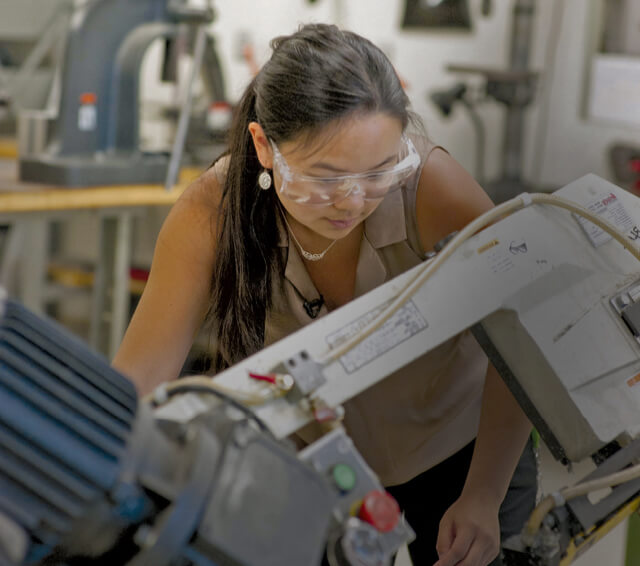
{"x":572,"y":145}
{"x":420,"y":57}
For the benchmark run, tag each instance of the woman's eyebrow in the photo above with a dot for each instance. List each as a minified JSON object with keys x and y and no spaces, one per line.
{"x":333,"y":169}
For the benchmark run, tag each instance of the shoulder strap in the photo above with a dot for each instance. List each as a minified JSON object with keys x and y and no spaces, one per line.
{"x":409,"y":191}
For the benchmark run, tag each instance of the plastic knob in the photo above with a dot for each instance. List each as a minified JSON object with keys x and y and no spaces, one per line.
{"x":344,"y":477}
{"x":380,"y":510}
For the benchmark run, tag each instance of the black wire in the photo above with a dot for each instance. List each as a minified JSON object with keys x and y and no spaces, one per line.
{"x":311,"y":307}
{"x":249,"y":413}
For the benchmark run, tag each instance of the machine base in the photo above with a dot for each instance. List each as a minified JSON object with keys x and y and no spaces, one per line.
{"x":92,"y":170}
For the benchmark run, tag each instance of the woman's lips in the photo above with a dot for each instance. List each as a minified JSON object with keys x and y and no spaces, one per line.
{"x":347,"y":223}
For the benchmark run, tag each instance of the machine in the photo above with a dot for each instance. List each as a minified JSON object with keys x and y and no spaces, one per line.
{"x":89,"y":476}
{"x":95,"y":138}
{"x":554,"y":299}
{"x":32,"y":37}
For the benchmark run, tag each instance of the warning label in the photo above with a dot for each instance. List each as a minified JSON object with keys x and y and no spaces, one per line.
{"x":610,"y":208}
{"x":406,"y":322}
{"x":633,"y":380}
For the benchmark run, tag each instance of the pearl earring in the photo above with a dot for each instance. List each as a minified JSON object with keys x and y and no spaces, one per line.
{"x":264,"y":180}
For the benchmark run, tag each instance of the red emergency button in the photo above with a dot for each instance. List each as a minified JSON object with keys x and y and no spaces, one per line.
{"x":380,"y":510}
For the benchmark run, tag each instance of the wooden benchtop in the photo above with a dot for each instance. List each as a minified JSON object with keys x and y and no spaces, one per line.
{"x":18,"y":196}
{"x":8,"y":148}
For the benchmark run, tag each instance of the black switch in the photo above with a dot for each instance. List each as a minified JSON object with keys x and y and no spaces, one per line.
{"x":631,"y":315}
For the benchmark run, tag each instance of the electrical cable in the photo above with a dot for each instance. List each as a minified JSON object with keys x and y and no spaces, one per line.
{"x":422,"y":275}
{"x":250,"y":399}
{"x":203,"y":384}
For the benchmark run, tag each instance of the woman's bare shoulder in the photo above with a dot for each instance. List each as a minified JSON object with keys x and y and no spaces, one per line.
{"x":205,"y":192}
{"x":176,"y":296}
{"x":191,"y":223}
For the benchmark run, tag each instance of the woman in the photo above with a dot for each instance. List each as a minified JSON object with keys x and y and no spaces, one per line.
{"x":321,"y":197}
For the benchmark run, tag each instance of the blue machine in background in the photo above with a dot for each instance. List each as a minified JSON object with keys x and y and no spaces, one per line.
{"x":95,"y":139}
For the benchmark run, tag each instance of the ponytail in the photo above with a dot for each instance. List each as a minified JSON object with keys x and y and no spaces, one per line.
{"x":247,"y":247}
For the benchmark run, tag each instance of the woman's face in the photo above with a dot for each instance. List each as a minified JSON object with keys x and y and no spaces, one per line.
{"x":362,"y":144}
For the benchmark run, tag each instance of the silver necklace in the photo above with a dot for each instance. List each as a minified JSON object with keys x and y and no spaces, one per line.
{"x":305,"y":253}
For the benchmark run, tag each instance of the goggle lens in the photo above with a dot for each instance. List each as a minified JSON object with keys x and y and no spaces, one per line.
{"x":325,"y":191}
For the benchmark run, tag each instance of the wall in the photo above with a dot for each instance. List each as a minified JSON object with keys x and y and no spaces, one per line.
{"x":574,"y":145}
{"x":420,"y":58}
{"x":560,"y":144}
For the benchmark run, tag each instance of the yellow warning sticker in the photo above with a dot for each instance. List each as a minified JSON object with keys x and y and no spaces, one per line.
{"x":634,"y":380}
{"x":488,"y":246}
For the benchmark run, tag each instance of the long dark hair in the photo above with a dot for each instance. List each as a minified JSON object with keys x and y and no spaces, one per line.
{"x":315,"y":76}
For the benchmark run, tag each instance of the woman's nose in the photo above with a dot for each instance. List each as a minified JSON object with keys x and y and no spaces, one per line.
{"x":352,"y":197}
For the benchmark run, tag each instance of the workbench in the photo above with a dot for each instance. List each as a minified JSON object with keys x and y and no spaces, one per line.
{"x":29,"y":208}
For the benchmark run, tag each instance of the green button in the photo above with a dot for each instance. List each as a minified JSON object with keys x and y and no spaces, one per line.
{"x":344,"y":477}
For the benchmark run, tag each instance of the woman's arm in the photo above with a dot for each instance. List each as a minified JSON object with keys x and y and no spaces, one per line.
{"x":448,"y":198}
{"x":469,"y":532}
{"x":176,"y":296}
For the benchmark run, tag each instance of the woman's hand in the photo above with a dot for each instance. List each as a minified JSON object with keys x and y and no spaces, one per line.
{"x":469,"y":532}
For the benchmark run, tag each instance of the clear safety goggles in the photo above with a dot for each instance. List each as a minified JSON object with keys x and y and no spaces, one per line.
{"x":323,"y":191}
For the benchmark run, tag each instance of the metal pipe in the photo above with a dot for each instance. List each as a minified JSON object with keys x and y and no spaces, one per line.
{"x":183,"y":122}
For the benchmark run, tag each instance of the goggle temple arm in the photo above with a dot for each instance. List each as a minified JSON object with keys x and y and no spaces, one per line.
{"x":283,"y":168}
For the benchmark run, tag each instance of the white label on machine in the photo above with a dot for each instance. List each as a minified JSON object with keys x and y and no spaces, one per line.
{"x":406,"y":322}
{"x":500,"y":260}
{"x":608,"y":206}
{"x":87,"y":117}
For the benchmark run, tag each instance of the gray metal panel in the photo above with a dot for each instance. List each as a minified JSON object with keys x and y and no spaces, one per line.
{"x":589,"y":513}
{"x":518,"y":392}
{"x":24,"y":20}
{"x":102,"y":32}
{"x":35,"y":89}
{"x":78,"y":171}
{"x":120,"y":129}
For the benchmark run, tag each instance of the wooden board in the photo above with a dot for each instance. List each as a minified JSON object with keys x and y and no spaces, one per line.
{"x":18,"y":196}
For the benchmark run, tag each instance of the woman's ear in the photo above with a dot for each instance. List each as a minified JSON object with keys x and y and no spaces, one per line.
{"x":262,"y":145}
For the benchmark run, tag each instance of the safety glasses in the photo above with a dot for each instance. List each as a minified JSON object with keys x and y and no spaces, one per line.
{"x":324,"y":191}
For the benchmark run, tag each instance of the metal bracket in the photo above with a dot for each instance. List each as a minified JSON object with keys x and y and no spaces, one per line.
{"x":307,"y":374}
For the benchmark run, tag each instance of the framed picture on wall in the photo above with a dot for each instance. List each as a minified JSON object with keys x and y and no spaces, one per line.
{"x":430,"y":14}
